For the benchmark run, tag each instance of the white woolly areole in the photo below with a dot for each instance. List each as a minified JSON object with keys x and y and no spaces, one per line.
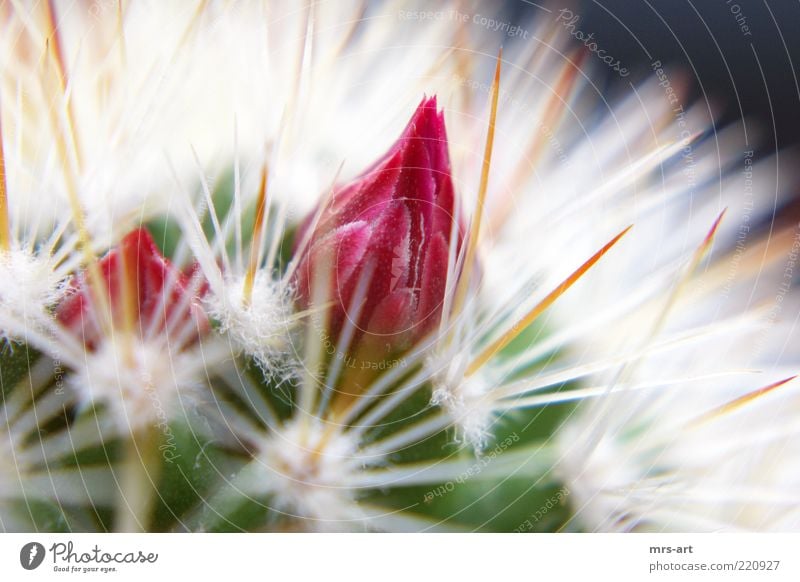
{"x":465,"y":399}
{"x":259,"y":327}
{"x":28,"y":282}
{"x":137,"y":380}
{"x":308,"y":474}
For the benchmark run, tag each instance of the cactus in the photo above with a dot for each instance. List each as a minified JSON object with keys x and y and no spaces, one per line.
{"x":229,"y":303}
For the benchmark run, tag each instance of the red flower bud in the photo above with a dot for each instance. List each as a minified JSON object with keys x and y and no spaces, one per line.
{"x":160,"y":294}
{"x":393,"y":226}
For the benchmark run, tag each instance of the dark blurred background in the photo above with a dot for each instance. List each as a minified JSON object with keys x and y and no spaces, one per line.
{"x":749,"y":47}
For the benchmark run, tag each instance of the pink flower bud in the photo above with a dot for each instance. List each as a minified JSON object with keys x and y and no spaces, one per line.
{"x":163,"y":298}
{"x":392,"y":227}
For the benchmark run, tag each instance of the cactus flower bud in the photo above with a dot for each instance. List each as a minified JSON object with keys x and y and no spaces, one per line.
{"x":392,"y":228}
{"x":160,"y":300}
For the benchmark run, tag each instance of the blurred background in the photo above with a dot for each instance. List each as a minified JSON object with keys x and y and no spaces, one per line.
{"x":741,"y":56}
{"x":744,"y":54}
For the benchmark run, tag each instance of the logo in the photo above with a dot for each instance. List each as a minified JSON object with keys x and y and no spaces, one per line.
{"x":31,"y":555}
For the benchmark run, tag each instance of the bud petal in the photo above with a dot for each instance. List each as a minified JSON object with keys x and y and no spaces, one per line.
{"x":392,"y":224}
{"x":161,"y":291}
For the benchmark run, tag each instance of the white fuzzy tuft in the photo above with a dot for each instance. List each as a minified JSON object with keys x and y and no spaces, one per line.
{"x":466,"y":400}
{"x":138,"y":381}
{"x":28,"y":282}
{"x":309,"y":474}
{"x":260,"y":328}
